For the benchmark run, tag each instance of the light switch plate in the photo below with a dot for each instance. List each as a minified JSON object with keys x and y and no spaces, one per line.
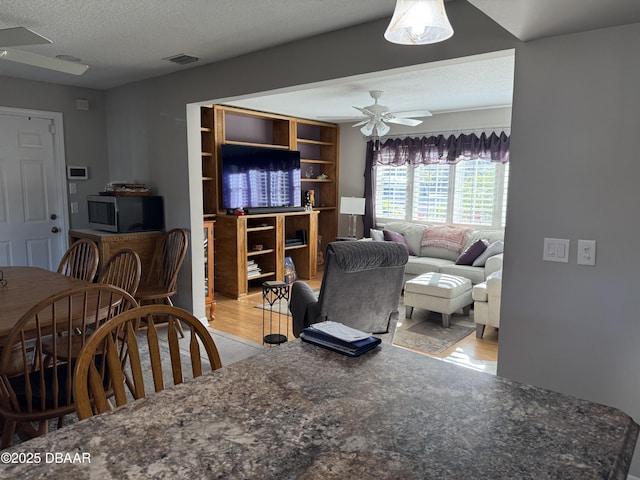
{"x":556,"y":250}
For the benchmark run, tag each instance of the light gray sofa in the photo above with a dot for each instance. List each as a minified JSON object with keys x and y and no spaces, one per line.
{"x":486,"y":302}
{"x":438,"y":259}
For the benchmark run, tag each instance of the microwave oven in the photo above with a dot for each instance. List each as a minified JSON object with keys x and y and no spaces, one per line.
{"x":124,"y":214}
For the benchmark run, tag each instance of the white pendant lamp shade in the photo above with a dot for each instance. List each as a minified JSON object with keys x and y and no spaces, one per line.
{"x":418,"y":22}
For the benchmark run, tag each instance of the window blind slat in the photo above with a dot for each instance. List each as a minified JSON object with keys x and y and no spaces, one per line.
{"x":472,"y":192}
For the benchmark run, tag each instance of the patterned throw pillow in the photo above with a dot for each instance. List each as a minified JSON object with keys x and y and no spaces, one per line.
{"x":450,"y":237}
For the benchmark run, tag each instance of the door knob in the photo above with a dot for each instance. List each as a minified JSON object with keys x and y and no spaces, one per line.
{"x":53,"y":216}
{"x":55,"y":230}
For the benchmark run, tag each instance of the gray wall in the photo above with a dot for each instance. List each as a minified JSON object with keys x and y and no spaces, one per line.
{"x":574,"y":174}
{"x":85,"y":134}
{"x":147,"y":121}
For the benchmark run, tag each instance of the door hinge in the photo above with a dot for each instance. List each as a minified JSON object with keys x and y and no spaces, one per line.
{"x":52,"y":129}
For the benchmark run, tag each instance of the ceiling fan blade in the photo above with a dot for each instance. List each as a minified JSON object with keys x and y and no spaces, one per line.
{"x":365,"y":110}
{"x":338,"y":119}
{"x":410,"y":122}
{"x":361,"y":122}
{"x":12,"y":37}
{"x":413,"y":113}
{"x":41,"y":61}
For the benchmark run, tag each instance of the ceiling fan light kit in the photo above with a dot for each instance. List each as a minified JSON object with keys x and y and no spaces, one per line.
{"x":419,"y":22}
{"x":378,"y":116}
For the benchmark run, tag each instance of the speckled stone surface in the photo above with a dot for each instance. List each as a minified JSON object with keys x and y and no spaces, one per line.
{"x":299,"y":411}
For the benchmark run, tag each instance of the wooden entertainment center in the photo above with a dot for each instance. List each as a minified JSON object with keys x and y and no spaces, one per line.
{"x":250,"y":249}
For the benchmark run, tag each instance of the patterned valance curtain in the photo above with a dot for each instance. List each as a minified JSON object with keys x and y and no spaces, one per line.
{"x":435,"y":149}
{"x":440,"y":149}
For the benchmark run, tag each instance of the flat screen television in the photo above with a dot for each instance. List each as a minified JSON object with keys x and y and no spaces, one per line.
{"x":260,"y":177}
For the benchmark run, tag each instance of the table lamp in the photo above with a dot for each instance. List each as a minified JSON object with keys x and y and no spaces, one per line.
{"x":352,"y":206}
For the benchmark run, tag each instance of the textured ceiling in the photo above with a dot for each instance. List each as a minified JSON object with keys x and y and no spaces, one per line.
{"x":485,"y":81}
{"x":125,"y":41}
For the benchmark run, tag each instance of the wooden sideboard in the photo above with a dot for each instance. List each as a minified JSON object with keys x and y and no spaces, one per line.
{"x":143,"y":243}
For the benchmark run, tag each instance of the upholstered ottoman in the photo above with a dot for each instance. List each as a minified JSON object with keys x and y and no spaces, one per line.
{"x":438,"y":292}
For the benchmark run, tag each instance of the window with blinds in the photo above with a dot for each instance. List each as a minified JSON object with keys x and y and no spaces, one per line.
{"x":392,"y":192}
{"x":472,"y":192}
{"x":474,"y":195}
{"x":430,"y":193}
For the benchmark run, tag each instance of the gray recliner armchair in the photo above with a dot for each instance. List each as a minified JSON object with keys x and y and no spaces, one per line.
{"x":361,"y":288}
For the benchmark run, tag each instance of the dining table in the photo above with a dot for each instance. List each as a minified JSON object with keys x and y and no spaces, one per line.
{"x":301,"y":411}
{"x":23,"y":287}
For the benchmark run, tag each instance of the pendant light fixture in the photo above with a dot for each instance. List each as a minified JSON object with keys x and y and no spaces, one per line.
{"x":418,"y":22}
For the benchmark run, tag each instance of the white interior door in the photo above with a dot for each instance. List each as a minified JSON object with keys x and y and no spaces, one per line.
{"x":32,"y":197}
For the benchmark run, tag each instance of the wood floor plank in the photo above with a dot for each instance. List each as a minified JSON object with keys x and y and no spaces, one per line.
{"x":242,"y":319}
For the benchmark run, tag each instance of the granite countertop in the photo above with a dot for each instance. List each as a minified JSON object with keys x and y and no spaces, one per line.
{"x":299,"y":411}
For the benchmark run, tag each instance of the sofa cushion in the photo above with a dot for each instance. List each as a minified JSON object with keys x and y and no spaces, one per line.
{"x":451,"y":237}
{"x":439,"y":252}
{"x":420,"y":265}
{"x":472,"y":252}
{"x":475,"y":274}
{"x":493,"y":249}
{"x":391,"y":236}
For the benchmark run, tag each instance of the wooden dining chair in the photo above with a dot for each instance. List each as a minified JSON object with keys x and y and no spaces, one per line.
{"x":123,"y":269}
{"x":118,"y":356}
{"x":80,"y":260}
{"x":36,"y":386}
{"x":160,"y":282}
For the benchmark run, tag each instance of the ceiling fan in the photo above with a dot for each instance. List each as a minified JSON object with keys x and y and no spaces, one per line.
{"x":21,"y":36}
{"x":377,"y":117}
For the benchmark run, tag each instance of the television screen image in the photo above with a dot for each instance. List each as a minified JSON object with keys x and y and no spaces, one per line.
{"x":260,"y":177}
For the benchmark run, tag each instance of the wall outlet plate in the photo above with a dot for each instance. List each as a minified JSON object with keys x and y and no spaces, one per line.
{"x":586,"y":252}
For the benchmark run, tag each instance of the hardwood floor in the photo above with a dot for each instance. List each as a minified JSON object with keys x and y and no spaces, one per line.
{"x":242,"y":319}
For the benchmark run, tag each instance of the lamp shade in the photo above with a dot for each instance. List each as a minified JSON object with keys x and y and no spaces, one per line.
{"x":352,"y":205}
{"x":419,"y":22}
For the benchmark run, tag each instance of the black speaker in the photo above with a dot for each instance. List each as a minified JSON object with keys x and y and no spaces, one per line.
{"x":302,"y":235}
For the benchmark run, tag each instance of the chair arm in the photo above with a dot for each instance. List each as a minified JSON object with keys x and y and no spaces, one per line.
{"x":493,"y":264}
{"x":302,"y":297}
{"x":494,"y":287}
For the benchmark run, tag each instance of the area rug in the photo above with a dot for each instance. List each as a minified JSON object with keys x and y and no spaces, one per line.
{"x":424,"y":331}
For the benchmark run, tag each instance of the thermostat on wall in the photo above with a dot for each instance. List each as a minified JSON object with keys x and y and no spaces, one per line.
{"x":77,"y":173}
